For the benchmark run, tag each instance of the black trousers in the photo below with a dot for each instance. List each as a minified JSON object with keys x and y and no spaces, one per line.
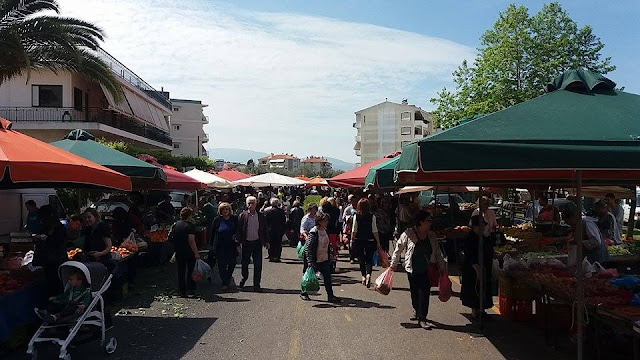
{"x":275,"y":246}
{"x":364,"y":252}
{"x":420,"y":291}
{"x":252,"y":250}
{"x":325,"y":269}
{"x":384,"y":240}
{"x":62,"y":310}
{"x":185,"y":263}
{"x":226,"y":264}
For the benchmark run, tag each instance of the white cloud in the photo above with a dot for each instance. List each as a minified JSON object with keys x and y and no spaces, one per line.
{"x":274,"y":81}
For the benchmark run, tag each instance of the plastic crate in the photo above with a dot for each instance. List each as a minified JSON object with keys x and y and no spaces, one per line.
{"x":516,"y":310}
{"x":511,"y":288}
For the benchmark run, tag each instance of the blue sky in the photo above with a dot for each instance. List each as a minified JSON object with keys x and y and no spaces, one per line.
{"x":287,"y":76}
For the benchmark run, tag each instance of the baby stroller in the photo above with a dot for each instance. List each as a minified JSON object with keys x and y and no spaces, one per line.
{"x":98,"y":280}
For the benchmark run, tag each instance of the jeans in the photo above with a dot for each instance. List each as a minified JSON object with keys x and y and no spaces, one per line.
{"x":420,"y":291}
{"x":185,"y":263}
{"x":226,"y":264}
{"x":252,"y":250}
{"x":275,"y":246}
{"x":364,"y":252}
{"x":325,"y":269}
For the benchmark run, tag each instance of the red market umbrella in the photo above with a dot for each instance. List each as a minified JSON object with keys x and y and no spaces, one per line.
{"x":28,"y":163}
{"x":232,"y":175}
{"x":175,"y":179}
{"x":356,"y":177}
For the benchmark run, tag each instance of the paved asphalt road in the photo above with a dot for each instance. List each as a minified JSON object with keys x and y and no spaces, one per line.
{"x":277,"y":324}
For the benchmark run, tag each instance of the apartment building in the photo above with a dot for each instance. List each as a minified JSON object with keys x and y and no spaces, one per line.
{"x":317,"y":163}
{"x":280,"y":161}
{"x":186,"y":128}
{"x":48,"y":105}
{"x":386,"y":127}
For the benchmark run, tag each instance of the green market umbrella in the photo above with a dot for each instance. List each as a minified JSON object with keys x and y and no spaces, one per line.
{"x":583,"y":123}
{"x":381,"y":175}
{"x":83,"y":144}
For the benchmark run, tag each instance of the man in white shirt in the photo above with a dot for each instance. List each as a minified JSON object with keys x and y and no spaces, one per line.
{"x":488,"y":215}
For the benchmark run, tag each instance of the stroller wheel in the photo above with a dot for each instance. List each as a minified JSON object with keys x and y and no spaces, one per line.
{"x":67,"y":357}
{"x":34,"y":354}
{"x":110,"y":347}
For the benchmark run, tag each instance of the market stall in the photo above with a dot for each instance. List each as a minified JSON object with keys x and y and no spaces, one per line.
{"x":570,"y":145}
{"x":355,"y":178}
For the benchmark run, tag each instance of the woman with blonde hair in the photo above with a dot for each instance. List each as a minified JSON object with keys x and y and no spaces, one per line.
{"x":223,"y":242}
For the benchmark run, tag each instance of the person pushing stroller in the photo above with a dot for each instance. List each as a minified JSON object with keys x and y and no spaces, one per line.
{"x":73,"y":302}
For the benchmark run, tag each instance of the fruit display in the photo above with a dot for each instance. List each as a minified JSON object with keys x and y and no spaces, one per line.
{"x":158,"y":236}
{"x":618,"y":250}
{"x":468,"y":206}
{"x":122,"y":251}
{"x":517,"y":233}
{"x":72,"y":253}
{"x":132,"y":246}
{"x":15,"y":280}
{"x":539,"y":254}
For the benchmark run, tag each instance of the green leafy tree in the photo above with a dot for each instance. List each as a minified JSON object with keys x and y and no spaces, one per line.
{"x":516,"y":58}
{"x":31,"y":39}
{"x":164,"y":157}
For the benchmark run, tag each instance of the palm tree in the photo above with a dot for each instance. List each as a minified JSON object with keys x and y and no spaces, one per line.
{"x":31,"y":40}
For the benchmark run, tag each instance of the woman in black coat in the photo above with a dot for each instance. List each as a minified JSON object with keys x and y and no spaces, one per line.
{"x":471,"y":271}
{"x":50,"y":250}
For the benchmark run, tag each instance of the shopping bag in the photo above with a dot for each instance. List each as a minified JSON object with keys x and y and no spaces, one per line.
{"x":309,"y":282}
{"x":432,"y":270}
{"x":300,"y":250}
{"x":383,"y":259}
{"x":444,"y":287}
{"x":384,"y":282}
{"x":201,"y":271}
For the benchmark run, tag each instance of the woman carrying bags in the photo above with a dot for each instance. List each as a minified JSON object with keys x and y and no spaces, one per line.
{"x":223,"y":241}
{"x":420,"y":246}
{"x":318,"y":254}
{"x":365,"y":239}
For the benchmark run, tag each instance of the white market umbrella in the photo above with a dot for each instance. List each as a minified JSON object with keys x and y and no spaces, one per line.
{"x":270,"y":179}
{"x":211,"y":180}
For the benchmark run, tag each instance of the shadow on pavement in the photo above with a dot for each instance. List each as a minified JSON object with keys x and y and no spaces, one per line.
{"x":353,"y":303}
{"x":155,"y":337}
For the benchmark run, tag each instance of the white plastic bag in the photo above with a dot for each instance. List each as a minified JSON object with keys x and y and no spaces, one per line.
{"x":587,"y":268}
{"x":201,"y":271}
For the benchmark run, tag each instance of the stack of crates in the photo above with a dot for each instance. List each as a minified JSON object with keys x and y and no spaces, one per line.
{"x":515,"y":299}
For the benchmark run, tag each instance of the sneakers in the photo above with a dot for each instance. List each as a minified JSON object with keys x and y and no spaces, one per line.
{"x":368,"y":281}
{"x":334,"y":300}
{"x":257,"y":289}
{"x":305,"y":297}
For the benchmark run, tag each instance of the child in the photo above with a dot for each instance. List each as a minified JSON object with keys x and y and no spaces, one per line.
{"x":73,"y":301}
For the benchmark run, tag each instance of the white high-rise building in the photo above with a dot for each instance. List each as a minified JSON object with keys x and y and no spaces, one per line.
{"x":386,"y":127}
{"x":186,"y":128}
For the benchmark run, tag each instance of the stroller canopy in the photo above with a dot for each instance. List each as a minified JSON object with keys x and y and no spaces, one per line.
{"x":94,"y":272}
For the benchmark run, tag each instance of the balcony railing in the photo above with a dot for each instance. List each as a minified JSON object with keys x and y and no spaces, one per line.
{"x":95,"y":115}
{"x":205,"y":119}
{"x":125,"y":73}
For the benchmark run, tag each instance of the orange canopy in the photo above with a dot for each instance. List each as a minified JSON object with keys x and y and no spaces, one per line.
{"x":232,"y":175}
{"x":29,"y":162}
{"x":317,"y":181}
{"x":303,"y":178}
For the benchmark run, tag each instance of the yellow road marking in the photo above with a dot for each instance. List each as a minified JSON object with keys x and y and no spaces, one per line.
{"x":455,"y":280}
{"x":294,"y":345}
{"x":348,"y":317}
{"x":495,"y":309}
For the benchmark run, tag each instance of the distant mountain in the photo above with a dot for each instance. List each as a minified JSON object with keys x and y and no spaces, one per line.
{"x":242,"y":156}
{"x":338,"y":164}
{"x":235,"y":155}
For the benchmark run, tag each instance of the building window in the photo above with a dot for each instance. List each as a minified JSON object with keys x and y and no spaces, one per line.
{"x":418,"y":131}
{"x":405,"y":130}
{"x":46,"y":95}
{"x":176,"y":127}
{"x":175,"y":108}
{"x":406,"y":115}
{"x":77,"y":99}
{"x":176,"y":145}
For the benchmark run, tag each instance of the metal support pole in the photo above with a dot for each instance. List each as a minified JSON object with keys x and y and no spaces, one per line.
{"x":481,"y":258}
{"x":579,"y":274}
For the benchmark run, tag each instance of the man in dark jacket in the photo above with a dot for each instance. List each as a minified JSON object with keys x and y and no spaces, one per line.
{"x":295,"y":219}
{"x":276,"y":222}
{"x":252,"y":234}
